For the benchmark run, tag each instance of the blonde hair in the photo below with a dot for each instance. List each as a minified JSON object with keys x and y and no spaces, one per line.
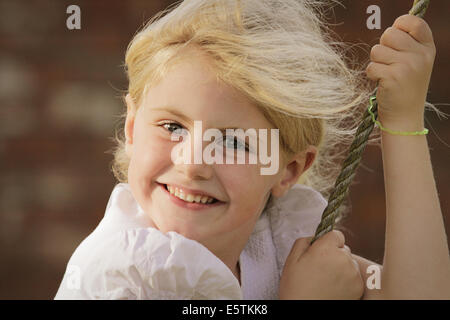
{"x":280,"y":54}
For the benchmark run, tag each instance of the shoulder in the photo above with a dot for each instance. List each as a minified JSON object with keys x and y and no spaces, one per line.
{"x":295,"y":215}
{"x":371,"y":269}
{"x":366,"y":266}
{"x":298,"y":212}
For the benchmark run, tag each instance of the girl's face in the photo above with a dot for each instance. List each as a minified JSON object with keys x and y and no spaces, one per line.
{"x":190,"y":92}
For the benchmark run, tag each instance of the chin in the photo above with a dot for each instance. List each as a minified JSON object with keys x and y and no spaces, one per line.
{"x":191,"y":234}
{"x":187,"y":231}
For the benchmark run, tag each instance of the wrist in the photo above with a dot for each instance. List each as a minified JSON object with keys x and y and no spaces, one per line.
{"x":408,"y":124}
{"x":402,"y":125}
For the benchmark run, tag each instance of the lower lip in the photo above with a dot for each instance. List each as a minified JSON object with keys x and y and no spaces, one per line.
{"x":189,"y":205}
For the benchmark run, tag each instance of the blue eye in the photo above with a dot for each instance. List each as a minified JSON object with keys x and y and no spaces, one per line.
{"x":234,"y":143}
{"x":172,"y":126}
{"x":175,"y":128}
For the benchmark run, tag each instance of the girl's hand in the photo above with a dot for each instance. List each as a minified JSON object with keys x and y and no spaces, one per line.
{"x":402,"y":63}
{"x":325,"y":270}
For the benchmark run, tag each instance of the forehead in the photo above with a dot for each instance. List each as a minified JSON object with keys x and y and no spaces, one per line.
{"x":192,"y":87}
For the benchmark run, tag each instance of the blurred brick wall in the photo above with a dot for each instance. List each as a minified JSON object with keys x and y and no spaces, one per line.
{"x":59,"y":104}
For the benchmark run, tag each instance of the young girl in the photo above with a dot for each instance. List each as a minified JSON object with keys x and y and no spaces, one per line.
{"x":176,"y":230}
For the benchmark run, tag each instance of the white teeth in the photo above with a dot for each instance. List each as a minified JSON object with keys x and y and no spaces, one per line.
{"x":204,"y":199}
{"x":189,"y":197}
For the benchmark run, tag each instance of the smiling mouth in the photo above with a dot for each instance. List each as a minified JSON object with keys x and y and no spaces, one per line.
{"x":188,"y":197}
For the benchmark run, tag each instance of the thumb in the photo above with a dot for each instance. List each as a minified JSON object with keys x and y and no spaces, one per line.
{"x":299,"y":247}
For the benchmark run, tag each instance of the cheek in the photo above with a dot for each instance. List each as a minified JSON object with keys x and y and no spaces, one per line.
{"x":246,"y":188}
{"x":150,"y":157}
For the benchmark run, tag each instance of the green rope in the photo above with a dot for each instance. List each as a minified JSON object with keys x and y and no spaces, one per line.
{"x":357,"y":147}
{"x":419,"y":8}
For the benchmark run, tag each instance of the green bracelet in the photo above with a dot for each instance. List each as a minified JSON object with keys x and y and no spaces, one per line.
{"x":402,"y":133}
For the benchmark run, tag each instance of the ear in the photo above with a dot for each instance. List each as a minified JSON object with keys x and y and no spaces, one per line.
{"x":295,"y":167}
{"x":129,"y":124}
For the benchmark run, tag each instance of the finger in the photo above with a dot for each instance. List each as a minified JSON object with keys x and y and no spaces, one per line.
{"x":416,"y":27}
{"x":398,"y":40}
{"x":356,"y":264}
{"x":299,"y":247}
{"x":335,"y":237}
{"x":347,"y":251}
{"x":346,"y":248}
{"x":384,"y":55}
{"x":376,"y":71}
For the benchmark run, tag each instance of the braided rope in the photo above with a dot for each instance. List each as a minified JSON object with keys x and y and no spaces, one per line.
{"x":357,"y":147}
{"x":419,"y":8}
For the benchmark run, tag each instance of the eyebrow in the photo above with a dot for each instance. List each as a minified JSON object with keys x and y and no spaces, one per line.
{"x":172,"y":111}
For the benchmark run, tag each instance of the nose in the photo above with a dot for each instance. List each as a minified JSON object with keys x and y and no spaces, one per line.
{"x":195,"y":171}
{"x":190,"y":169}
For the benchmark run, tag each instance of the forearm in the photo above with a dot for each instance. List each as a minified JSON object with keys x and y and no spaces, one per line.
{"x":416,"y":260}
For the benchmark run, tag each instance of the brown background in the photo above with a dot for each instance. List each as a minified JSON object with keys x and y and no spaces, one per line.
{"x":60,"y":101}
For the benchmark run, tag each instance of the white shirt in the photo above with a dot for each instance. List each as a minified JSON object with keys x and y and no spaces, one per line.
{"x":125,"y":258}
